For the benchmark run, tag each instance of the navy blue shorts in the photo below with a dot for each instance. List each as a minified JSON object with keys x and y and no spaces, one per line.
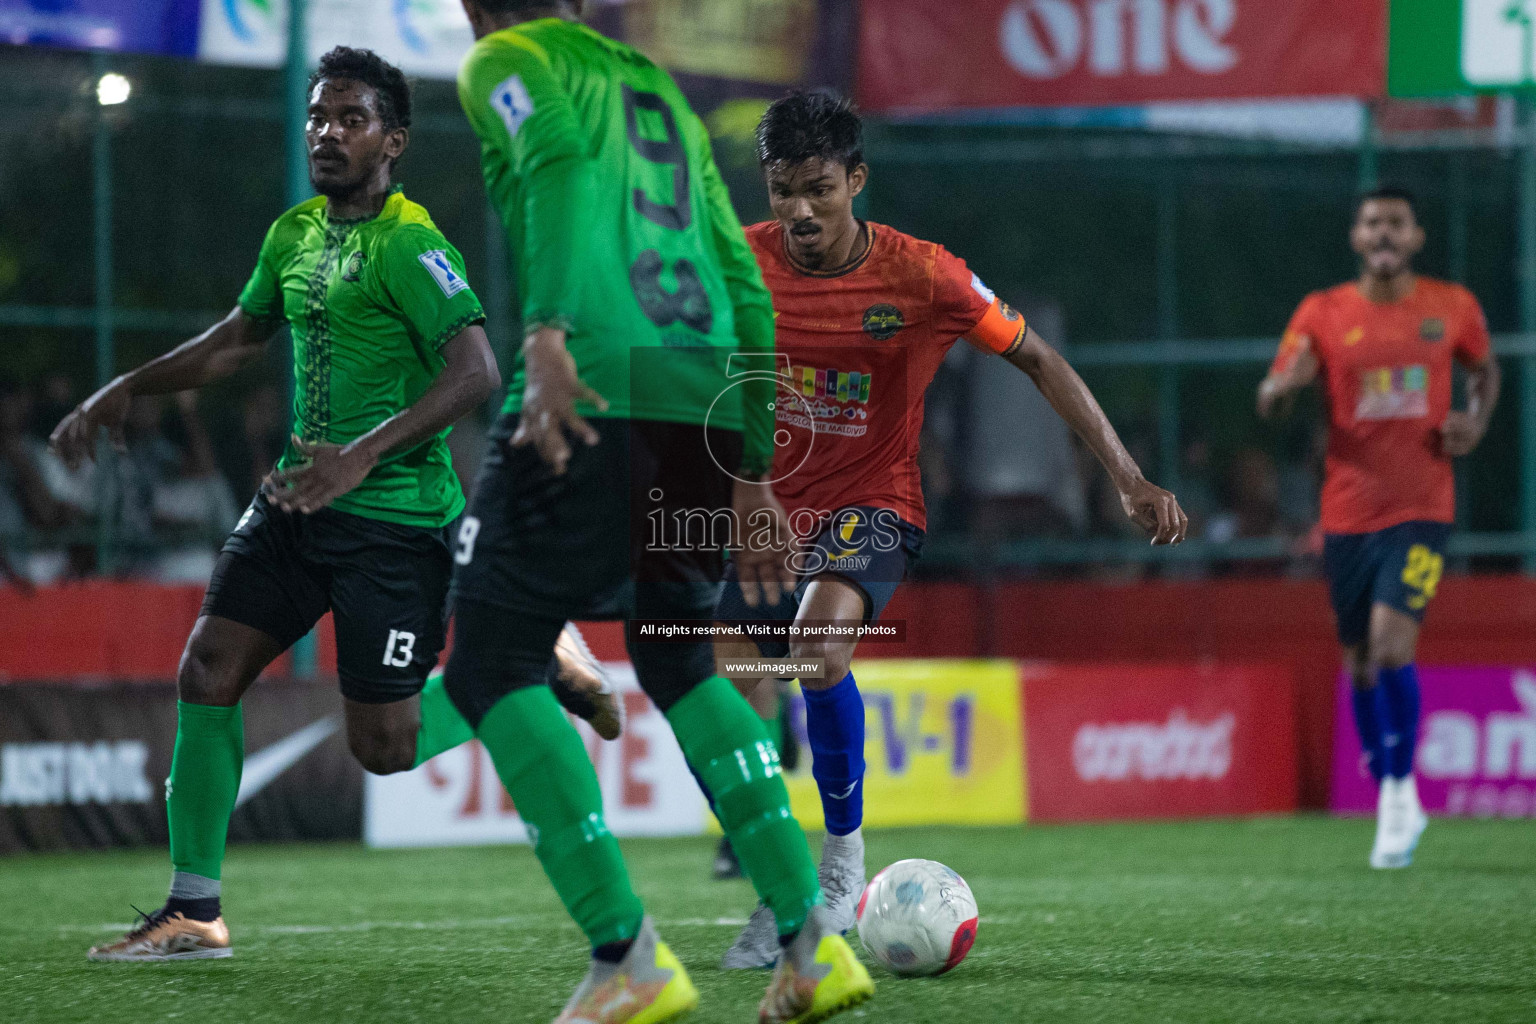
{"x":869,"y":547}
{"x":1399,"y":567}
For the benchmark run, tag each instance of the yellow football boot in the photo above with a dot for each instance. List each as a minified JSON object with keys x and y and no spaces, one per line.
{"x":648,"y":986}
{"x":161,"y":936}
{"x":817,"y":977}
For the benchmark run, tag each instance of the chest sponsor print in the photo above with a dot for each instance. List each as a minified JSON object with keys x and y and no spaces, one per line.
{"x":1393,"y":393}
{"x":835,"y":400}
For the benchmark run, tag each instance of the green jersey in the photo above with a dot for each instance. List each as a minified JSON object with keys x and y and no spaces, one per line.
{"x":370,"y":303}
{"x":621,"y":228}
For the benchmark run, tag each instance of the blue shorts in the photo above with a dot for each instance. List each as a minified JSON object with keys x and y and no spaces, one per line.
{"x":1399,"y":567}
{"x":869,"y":547}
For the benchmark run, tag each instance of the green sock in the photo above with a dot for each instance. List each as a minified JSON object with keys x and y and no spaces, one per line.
{"x":205,"y":778}
{"x":729,"y":746}
{"x":543,"y":763}
{"x":442,"y":727}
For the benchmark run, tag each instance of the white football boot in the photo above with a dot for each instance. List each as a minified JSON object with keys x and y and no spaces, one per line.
{"x":1418,"y":821}
{"x":1394,"y":828}
{"x":842,"y":878}
{"x":758,"y":944}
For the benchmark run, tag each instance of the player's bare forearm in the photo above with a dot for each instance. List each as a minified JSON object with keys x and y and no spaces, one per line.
{"x":1073,"y":402}
{"x":329,"y":471}
{"x":1484,"y":382}
{"x":1281,"y":386}
{"x":216,"y":353}
{"x":1462,"y":432}
{"x":1151,"y":507}
{"x":468,"y":378}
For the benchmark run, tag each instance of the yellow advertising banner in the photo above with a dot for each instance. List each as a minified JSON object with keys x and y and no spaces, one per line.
{"x":747,"y":40}
{"x":943,"y":743}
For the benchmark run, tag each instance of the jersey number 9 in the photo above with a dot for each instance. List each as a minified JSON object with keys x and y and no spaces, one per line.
{"x":690,"y":302}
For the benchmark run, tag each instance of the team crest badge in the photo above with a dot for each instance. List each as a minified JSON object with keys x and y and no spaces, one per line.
{"x":882,"y":321}
{"x":354,"y":267}
{"x":1009,"y":312}
{"x":1432,"y":328}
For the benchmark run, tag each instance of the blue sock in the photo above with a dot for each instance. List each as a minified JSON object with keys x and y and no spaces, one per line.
{"x":1368,"y":724}
{"x":1400,"y":695}
{"x":834,"y":725}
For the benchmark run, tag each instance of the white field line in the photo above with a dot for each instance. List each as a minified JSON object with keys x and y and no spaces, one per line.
{"x":448,"y":925}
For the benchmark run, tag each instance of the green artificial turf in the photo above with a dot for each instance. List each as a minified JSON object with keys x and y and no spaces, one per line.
{"x":1267,"y":920}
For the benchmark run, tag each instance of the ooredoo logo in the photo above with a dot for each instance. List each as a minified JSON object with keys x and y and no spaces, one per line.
{"x":1149,"y":751}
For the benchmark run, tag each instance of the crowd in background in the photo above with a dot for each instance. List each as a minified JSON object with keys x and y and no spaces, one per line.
{"x":998,"y":466}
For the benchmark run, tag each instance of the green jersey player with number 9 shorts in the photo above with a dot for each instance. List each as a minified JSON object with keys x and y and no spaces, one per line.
{"x":626,"y":438}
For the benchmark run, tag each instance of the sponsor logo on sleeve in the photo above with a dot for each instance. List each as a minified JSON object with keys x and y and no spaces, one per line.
{"x":448,"y":279}
{"x":981,"y":289}
{"x":512,"y":103}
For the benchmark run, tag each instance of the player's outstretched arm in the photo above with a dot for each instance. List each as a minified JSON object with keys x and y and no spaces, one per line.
{"x":1463,"y":431}
{"x":1296,"y":367}
{"x":468,"y":378}
{"x":1153,"y":509}
{"x":216,"y":353}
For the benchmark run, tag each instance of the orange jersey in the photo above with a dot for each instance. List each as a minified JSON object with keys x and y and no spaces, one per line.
{"x":860,"y":348}
{"x":1385,"y":369}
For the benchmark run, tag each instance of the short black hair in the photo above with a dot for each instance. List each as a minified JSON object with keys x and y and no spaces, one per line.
{"x":522,"y":6}
{"x":809,"y":125}
{"x":1388,"y":192}
{"x":386,"y":80}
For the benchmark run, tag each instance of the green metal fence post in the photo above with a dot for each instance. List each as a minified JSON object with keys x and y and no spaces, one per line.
{"x":1527,"y":239}
{"x":1367,"y":168}
{"x":1169,"y":441}
{"x":296,"y":103}
{"x":106,"y":347}
{"x":295,"y":107}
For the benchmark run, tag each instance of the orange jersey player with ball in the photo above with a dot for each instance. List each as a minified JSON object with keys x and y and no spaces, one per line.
{"x":865,"y":315}
{"x":1383,"y":347}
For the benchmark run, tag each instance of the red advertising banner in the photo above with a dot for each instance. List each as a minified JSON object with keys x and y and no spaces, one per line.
{"x":928,"y":55}
{"x":1158,"y":741}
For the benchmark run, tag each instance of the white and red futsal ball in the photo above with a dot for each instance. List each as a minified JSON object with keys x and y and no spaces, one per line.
{"x":918,"y":918}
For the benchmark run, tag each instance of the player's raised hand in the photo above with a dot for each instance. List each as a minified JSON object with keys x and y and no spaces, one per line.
{"x":1155,"y":510}
{"x":549,"y":400}
{"x":74,"y":438}
{"x":328,"y":472}
{"x":762,"y":550}
{"x":1460,"y":433}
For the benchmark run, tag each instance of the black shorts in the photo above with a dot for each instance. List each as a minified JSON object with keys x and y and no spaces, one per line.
{"x":387,"y":584}
{"x":636,"y":527}
{"x":1399,"y":567}
{"x":872,"y":548}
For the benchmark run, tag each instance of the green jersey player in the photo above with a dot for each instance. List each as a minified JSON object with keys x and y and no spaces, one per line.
{"x":623,"y":426}
{"x":357,"y":516}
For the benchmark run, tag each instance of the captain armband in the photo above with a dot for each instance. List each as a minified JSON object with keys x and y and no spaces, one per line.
{"x":1001,"y":329}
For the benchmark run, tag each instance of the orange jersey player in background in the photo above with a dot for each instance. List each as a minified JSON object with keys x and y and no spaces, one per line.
{"x":865,"y":315}
{"x":1383,"y":347}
